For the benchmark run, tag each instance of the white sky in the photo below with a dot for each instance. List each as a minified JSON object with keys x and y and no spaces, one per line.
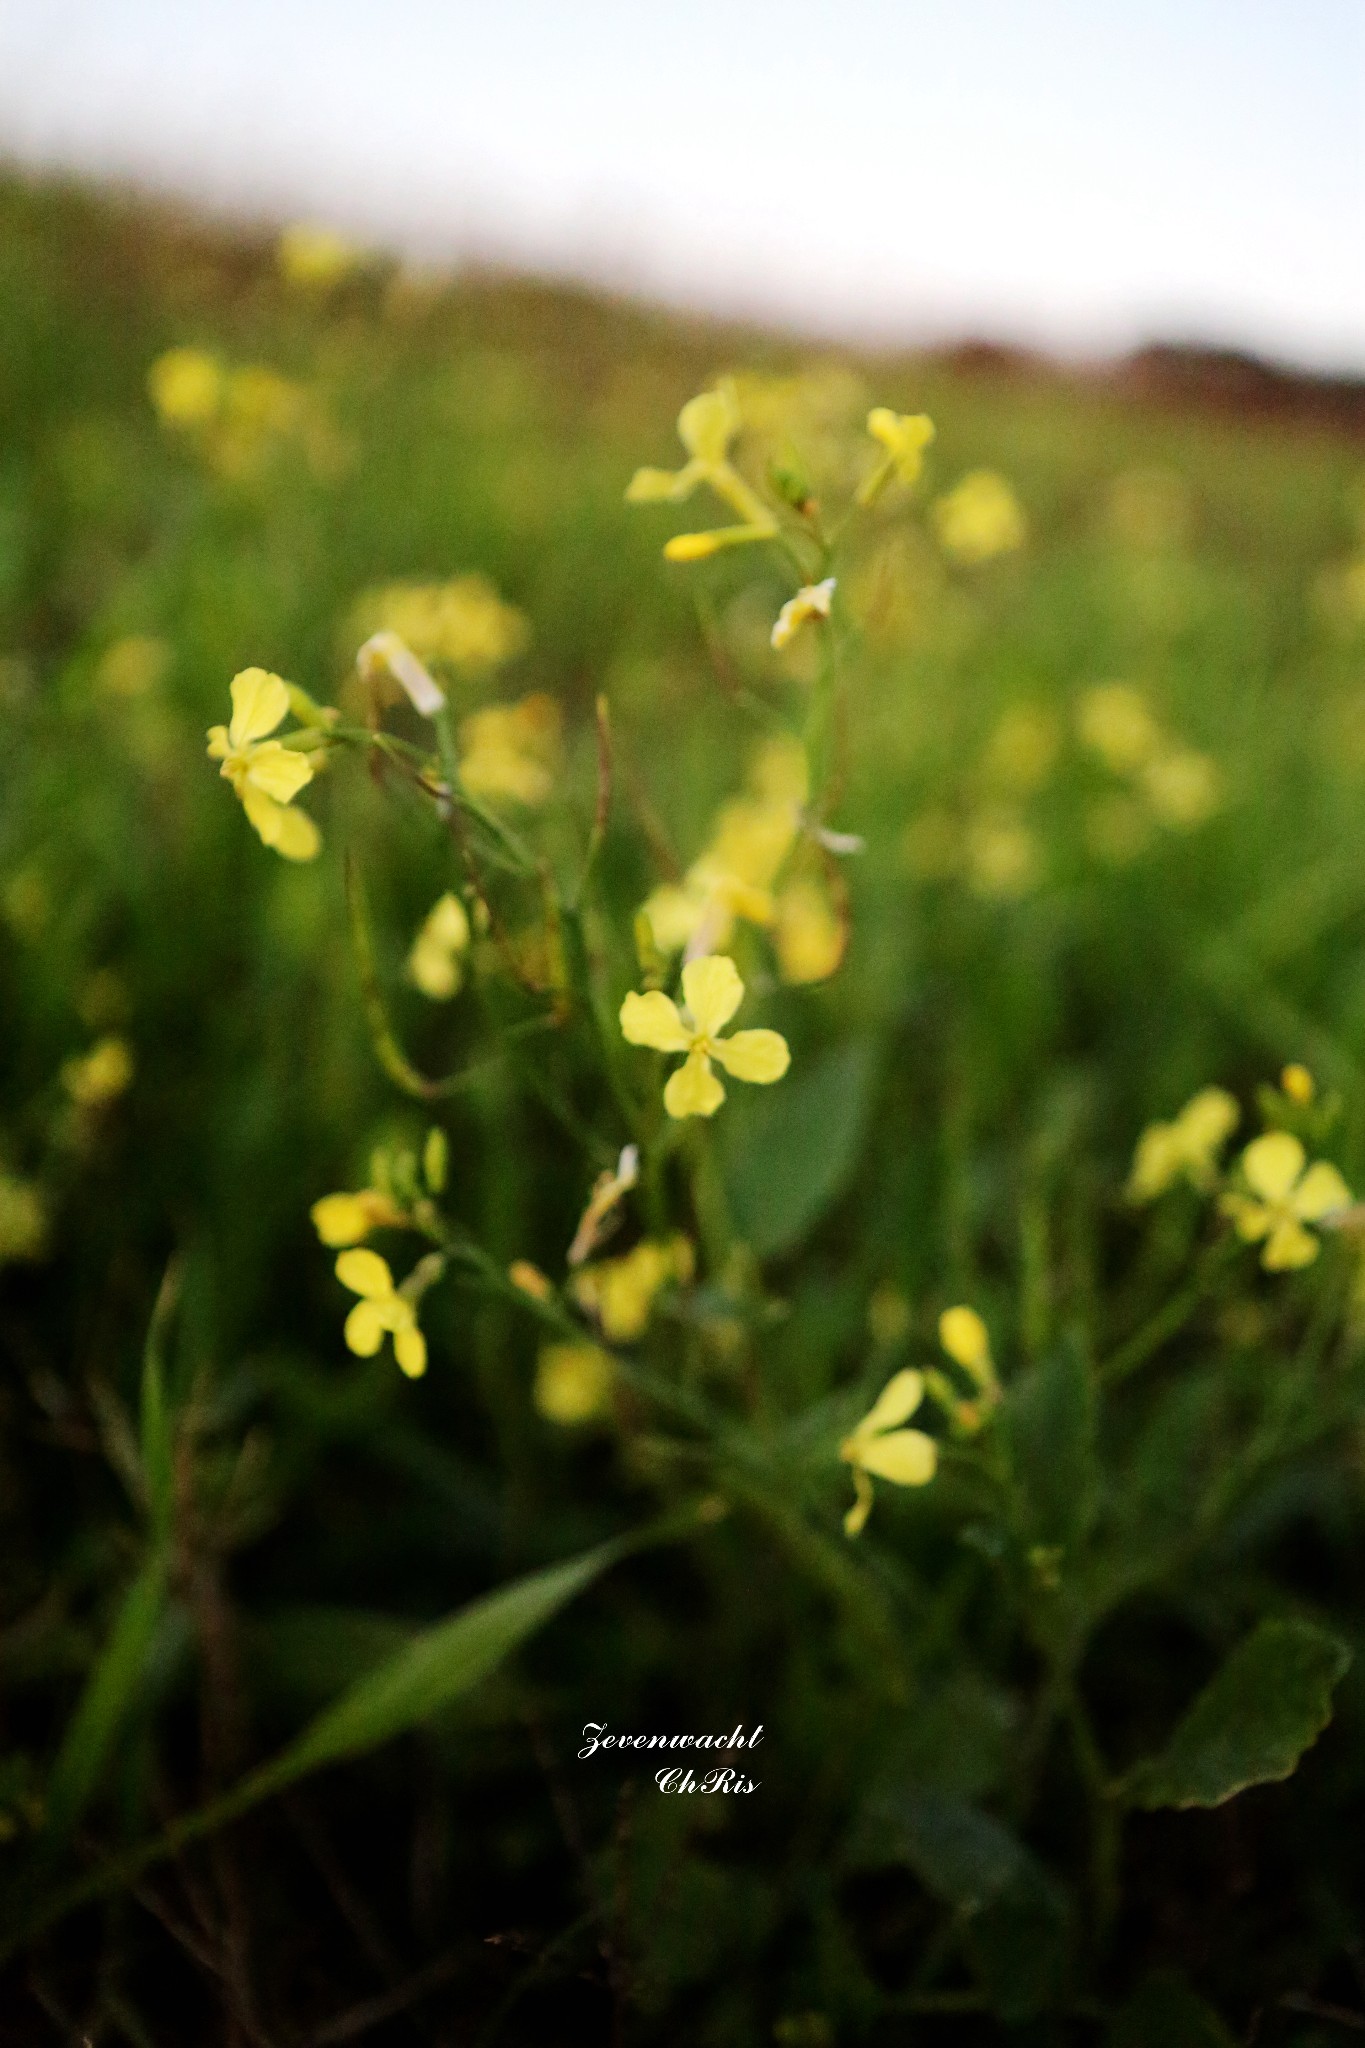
{"x":1085,"y":173}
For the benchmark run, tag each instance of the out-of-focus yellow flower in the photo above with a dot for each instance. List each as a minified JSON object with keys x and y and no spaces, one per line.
{"x":1186,"y":1148}
{"x":979,"y":518}
{"x":530,"y":1280}
{"x":1115,"y":721}
{"x":346,"y":1219}
{"x":812,"y":601}
{"x":1298,"y":1084}
{"x":809,"y":936}
{"x":573,"y":1383}
{"x":712,"y":992}
{"x":621,"y":1292}
{"x":265,"y":774}
{"x":382,"y":1310}
{"x":100,"y":1075}
{"x":462,"y":622}
{"x":23,"y":1219}
{"x":315,"y":258}
{"x":967,"y":1342}
{"x":133,"y":666}
{"x":608,"y":1190}
{"x":880,"y":1448}
{"x":1002,"y":856}
{"x":707,"y":425}
{"x":187,"y":387}
{"x":436,"y":961}
{"x":734,"y":876}
{"x":1182,"y":787}
{"x":511,"y":750}
{"x":904,"y":436}
{"x":1283,"y":1198}
{"x":1021,"y":750}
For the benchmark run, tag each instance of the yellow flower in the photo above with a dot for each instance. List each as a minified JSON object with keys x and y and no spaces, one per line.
{"x":904,"y":436}
{"x":608,"y":1190}
{"x":880,"y":1448}
{"x":1186,"y":1148}
{"x":133,"y":667}
{"x":346,"y":1219}
{"x":809,"y":936}
{"x":967,"y":1342}
{"x":23,"y":1219}
{"x":712,"y":992}
{"x":435,"y":962}
{"x":1021,"y":750}
{"x":573,"y":1383}
{"x":463,"y":622}
{"x":315,"y":258}
{"x":265,"y":774}
{"x":707,"y":425}
{"x":381,"y":1309}
{"x":1114,"y":721}
{"x":1298,"y":1084}
{"x":1002,"y":856}
{"x":186,"y":386}
{"x":734,"y":876}
{"x":98,"y":1076}
{"x":511,"y":750}
{"x":1182,"y":787}
{"x":979,"y":518}
{"x":1283,"y":1199}
{"x":812,"y":601}
{"x":621,"y":1292}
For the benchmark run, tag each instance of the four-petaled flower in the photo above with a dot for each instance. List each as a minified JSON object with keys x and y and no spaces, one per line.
{"x":904,"y":436}
{"x":812,"y":601}
{"x":266,"y":774}
{"x":881,"y":1448}
{"x":1283,"y":1199}
{"x":707,"y":425}
{"x":1184,"y":1149}
{"x":381,"y":1309}
{"x":712,"y":992}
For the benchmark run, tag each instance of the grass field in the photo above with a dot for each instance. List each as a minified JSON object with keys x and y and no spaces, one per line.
{"x":327,"y":1530}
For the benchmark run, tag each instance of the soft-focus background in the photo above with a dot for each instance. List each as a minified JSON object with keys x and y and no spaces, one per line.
{"x":1074,"y":908}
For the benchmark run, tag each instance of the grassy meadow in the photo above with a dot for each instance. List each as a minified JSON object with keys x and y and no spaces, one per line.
{"x":972,"y":1399}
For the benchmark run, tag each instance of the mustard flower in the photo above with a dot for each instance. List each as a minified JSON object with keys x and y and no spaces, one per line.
{"x":707,"y":425}
{"x":1298,"y":1084}
{"x":462,"y":623}
{"x":621,"y":1292}
{"x":1181,"y":785}
{"x":712,"y":992}
{"x":266,"y":774}
{"x":979,"y":518}
{"x":436,"y":961}
{"x":347,"y":1219}
{"x":1187,"y":1148}
{"x":1283,"y":1198}
{"x":879,"y":1447}
{"x":811,"y":602}
{"x":382,"y":1309}
{"x":904,"y":436}
{"x":1115,"y":721}
{"x":573,"y":1383}
{"x":315,"y":258}
{"x":511,"y":750}
{"x":966,"y":1341}
{"x":734,"y":875}
{"x":100,"y":1075}
{"x":809,"y":935}
{"x":187,"y":387}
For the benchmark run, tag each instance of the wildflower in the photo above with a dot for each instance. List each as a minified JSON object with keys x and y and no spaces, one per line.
{"x":1182,"y":787}
{"x":530,"y":1280}
{"x":510,"y":750}
{"x":809,"y":936}
{"x":462,"y":622}
{"x":346,"y":1219}
{"x":812,"y":601}
{"x":435,"y":963}
{"x":707,"y":425}
{"x":23,"y":1219}
{"x":621,"y":1292}
{"x":1115,"y":722}
{"x":573,"y":1383}
{"x":712,"y":992}
{"x":1298,"y":1084}
{"x":100,"y":1075}
{"x":1186,"y":1148}
{"x":1283,"y":1198}
{"x":315,"y":258}
{"x":608,"y":1190}
{"x":967,"y":1342}
{"x":904,"y":436}
{"x":385,"y":654}
{"x":132,"y":667}
{"x":879,"y":1447}
{"x":1002,"y":856}
{"x":266,"y":774}
{"x":382,"y":1309}
{"x":733,"y":877}
{"x":1021,"y":750}
{"x":186,"y":387}
{"x":979,"y":518}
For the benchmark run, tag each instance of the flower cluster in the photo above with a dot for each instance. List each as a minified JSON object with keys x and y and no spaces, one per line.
{"x":462,"y":624}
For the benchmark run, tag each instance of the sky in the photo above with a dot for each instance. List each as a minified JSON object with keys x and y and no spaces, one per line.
{"x":1079,"y":174}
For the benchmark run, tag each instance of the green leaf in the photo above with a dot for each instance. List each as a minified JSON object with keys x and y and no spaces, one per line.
{"x":1051,"y":1421}
{"x":109,"y":1693}
{"x":790,"y":1151}
{"x":1165,"y":2009}
{"x":1252,"y":1722}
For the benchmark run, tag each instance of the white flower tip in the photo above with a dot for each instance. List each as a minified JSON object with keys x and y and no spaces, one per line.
{"x":386,"y":654}
{"x":628,"y":1166}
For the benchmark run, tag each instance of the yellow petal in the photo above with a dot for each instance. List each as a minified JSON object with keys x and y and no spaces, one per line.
{"x":651,"y":486}
{"x":694,"y":1090}
{"x":855,"y":1521}
{"x":964,"y":1337}
{"x":1289,"y":1245}
{"x":573,"y":1382}
{"x":296,"y":836}
{"x":708,"y":424}
{"x":1251,"y":1220}
{"x":278,"y":771}
{"x":896,"y":1403}
{"x":342,"y":1219}
{"x":1157,"y":1162}
{"x":754,"y":1055}
{"x":712,"y":991}
{"x":260,"y":701}
{"x":653,"y":1020}
{"x":365,"y":1273}
{"x":674,"y":914}
{"x":1208,"y":1118}
{"x":1321,"y":1190}
{"x":364,"y":1330}
{"x":410,"y":1349}
{"x":219,"y":744}
{"x":907,"y":1457}
{"x":1272,"y":1164}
